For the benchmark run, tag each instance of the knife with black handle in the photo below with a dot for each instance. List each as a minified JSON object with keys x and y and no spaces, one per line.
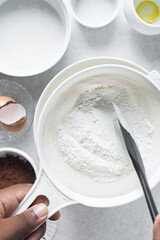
{"x":137,"y":161}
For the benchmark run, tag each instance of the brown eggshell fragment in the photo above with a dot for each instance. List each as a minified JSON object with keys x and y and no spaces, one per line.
{"x":4,"y":100}
{"x":15,"y":127}
{"x":13,"y":117}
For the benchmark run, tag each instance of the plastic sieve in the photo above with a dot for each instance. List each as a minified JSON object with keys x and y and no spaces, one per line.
{"x":62,"y":184}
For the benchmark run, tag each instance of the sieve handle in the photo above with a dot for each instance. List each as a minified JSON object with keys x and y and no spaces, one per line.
{"x":155,"y":76}
{"x":43,"y":186}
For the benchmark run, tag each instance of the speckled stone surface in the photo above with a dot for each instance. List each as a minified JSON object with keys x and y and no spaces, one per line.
{"x":129,"y":222}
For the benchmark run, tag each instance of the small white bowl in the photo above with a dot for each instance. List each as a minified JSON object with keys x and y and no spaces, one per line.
{"x":95,"y":13}
{"x":136,"y":22}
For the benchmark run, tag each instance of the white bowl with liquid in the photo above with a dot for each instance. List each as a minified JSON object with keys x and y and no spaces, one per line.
{"x":136,"y":22}
{"x":34,"y":35}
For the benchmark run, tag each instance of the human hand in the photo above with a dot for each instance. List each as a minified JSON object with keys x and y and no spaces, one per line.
{"x":156,"y":229}
{"x":17,"y":227}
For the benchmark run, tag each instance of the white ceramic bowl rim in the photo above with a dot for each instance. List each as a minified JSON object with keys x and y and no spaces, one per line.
{"x":89,"y":201}
{"x":84,"y":23}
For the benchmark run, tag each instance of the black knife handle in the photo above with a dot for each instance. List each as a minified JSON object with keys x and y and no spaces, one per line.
{"x":147,"y":192}
{"x":148,"y":196}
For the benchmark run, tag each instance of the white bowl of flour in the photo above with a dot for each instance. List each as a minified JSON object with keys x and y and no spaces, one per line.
{"x":79,"y":143}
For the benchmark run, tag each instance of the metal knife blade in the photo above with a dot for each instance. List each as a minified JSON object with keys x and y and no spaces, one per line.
{"x":130,"y":143}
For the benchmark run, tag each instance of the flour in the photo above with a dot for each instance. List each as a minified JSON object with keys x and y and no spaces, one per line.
{"x":90,"y":140}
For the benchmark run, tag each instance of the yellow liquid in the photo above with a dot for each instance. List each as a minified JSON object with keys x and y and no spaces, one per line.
{"x":148,"y":11}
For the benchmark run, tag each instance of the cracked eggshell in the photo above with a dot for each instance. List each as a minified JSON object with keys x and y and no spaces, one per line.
{"x":13,"y":117}
{"x":4,"y":100}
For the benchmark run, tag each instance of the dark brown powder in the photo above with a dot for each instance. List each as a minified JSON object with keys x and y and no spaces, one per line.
{"x":15,"y":170}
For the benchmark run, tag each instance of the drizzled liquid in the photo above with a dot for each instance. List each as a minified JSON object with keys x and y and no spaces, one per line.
{"x":148,"y":11}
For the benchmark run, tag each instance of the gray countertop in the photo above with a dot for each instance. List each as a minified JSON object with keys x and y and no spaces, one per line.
{"x":131,"y":221}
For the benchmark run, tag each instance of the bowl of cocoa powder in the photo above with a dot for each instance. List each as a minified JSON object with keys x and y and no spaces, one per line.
{"x":16,"y":167}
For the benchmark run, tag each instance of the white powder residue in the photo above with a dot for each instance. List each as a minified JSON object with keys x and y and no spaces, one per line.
{"x":89,"y":139}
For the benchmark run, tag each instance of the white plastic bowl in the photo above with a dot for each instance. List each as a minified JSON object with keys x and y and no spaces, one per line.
{"x":62,"y":184}
{"x":69,"y":71}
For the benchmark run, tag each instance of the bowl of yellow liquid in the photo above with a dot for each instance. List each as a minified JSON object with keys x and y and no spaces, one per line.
{"x":143,"y":15}
{"x":148,"y":11}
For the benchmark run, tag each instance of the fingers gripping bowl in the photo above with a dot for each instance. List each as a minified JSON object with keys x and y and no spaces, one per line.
{"x":64,"y":185}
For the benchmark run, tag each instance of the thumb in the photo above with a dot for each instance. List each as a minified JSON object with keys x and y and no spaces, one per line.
{"x":156,"y":229}
{"x":19,"y":226}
